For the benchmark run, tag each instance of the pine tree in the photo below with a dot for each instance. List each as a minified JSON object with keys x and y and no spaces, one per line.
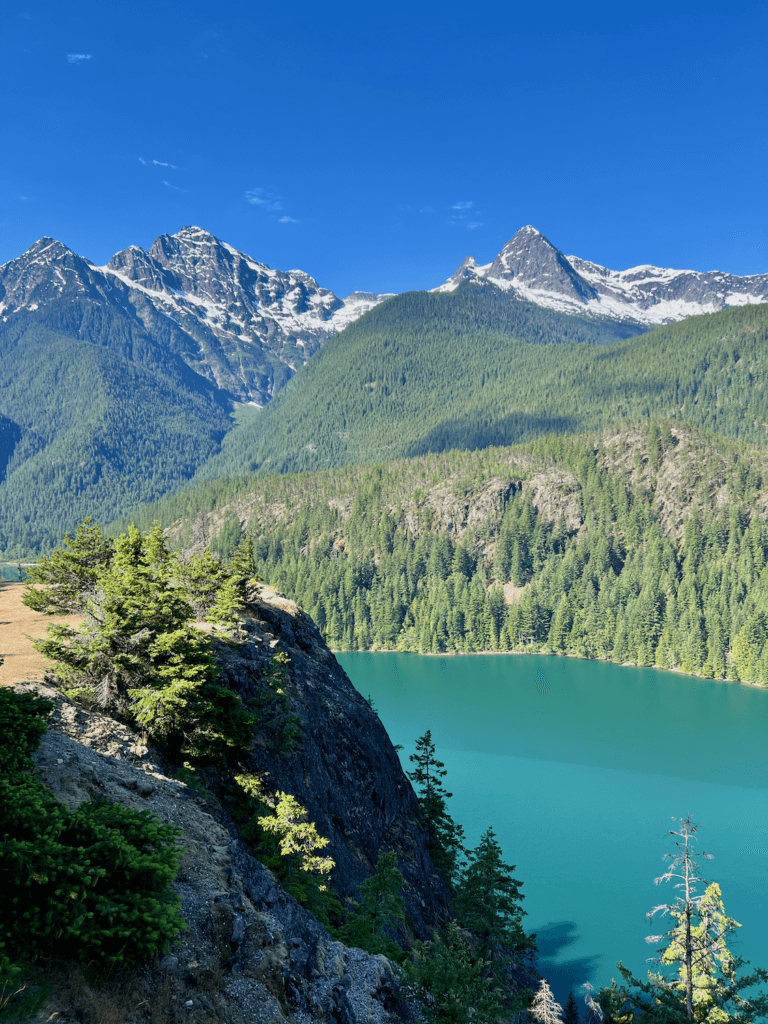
{"x":298,"y":837}
{"x":444,"y":837}
{"x":65,"y":580}
{"x":707,"y":987}
{"x":488,"y":899}
{"x":453,"y":980}
{"x":571,"y":1010}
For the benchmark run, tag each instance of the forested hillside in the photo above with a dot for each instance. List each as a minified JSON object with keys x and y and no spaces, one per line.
{"x":97,"y":417}
{"x":416,"y":375}
{"x":645,"y":544}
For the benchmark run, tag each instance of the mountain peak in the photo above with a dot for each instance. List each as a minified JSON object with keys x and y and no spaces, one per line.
{"x":195,"y":234}
{"x":530,"y":260}
{"x":52,"y":248}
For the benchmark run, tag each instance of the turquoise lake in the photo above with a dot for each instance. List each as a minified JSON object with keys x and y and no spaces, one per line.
{"x":580,"y":766}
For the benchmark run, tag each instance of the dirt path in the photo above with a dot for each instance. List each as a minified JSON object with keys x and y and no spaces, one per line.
{"x":17,"y":624}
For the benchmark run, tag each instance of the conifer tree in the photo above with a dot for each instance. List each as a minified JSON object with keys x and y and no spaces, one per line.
{"x":454,"y":981}
{"x":488,"y":899}
{"x":68,"y":577}
{"x":707,"y":988}
{"x":571,"y":1009}
{"x":381,"y":903}
{"x":444,"y":837}
{"x":298,"y":837}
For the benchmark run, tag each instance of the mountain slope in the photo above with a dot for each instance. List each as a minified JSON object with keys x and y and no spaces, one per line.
{"x":532,"y":268}
{"x":90,"y":429}
{"x":645,"y":543}
{"x":386,"y":388}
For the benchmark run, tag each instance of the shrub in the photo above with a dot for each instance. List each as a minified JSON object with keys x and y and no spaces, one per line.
{"x":93,"y":883}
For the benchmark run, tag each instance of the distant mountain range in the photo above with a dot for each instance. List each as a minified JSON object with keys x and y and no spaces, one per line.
{"x":247,"y":328}
{"x":237,"y":322}
{"x":532,"y":268}
{"x":120,"y":383}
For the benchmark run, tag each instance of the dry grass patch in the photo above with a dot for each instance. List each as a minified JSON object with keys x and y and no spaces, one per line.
{"x":17,"y":625}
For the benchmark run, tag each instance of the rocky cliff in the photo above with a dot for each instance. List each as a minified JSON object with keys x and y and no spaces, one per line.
{"x":251,"y":953}
{"x":345,"y":771}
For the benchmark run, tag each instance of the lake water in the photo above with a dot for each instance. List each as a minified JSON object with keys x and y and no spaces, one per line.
{"x":579,"y":767}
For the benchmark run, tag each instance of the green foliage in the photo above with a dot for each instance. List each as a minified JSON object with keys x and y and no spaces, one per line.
{"x":271,"y":709}
{"x":488,"y":899}
{"x":65,"y":581}
{"x":20,"y":1000}
{"x":571,"y":1010}
{"x":93,"y":883}
{"x":444,"y":837}
{"x":433,"y":372}
{"x":367,"y":551}
{"x":706,"y":986}
{"x":22,"y":724}
{"x":286,"y":845}
{"x":297,"y":836}
{"x":137,"y":653}
{"x":100,"y":417}
{"x":454,"y":980}
{"x":380,"y":912}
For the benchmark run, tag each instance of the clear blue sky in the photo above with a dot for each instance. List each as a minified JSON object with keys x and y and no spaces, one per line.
{"x":374,"y":145}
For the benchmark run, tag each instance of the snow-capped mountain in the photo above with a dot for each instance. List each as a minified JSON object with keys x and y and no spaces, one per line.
{"x":238,"y":322}
{"x":532,"y":268}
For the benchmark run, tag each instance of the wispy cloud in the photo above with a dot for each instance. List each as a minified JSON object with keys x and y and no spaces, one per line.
{"x":78,"y":58}
{"x":426,"y":209}
{"x":174,"y":187}
{"x":288,"y":220}
{"x":157,"y":163}
{"x":462,"y":205}
{"x":264,"y":199}
{"x":474,"y":224}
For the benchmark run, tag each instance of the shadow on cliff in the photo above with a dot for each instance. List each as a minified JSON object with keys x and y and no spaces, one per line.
{"x":552,"y":940}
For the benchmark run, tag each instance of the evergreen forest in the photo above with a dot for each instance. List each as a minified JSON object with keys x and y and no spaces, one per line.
{"x":417,"y":375}
{"x":644,"y":545}
{"x":97,"y":416}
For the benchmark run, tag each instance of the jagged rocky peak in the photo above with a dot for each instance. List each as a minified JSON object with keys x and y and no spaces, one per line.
{"x":529,"y":259}
{"x":466,"y":272}
{"x":531,"y":267}
{"x":43,"y":273}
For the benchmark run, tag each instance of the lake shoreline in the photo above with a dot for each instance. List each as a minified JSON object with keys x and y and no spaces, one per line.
{"x":550,"y":654}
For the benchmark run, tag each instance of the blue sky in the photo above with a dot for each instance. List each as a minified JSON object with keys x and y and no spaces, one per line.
{"x":375,"y":145}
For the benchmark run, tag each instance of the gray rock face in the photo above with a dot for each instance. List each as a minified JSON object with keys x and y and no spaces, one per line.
{"x":250,"y":954}
{"x":242,"y":325}
{"x":345,"y":771}
{"x":532,"y":268}
{"x":529,"y":259}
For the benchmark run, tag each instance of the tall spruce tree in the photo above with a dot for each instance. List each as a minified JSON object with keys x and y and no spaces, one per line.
{"x":444,"y":837}
{"x":488,"y":899}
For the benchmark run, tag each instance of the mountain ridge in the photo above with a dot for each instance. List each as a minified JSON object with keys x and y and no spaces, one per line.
{"x":240,"y":324}
{"x":532,"y":268}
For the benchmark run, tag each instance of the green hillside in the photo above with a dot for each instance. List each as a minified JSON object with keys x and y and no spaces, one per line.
{"x":417,"y":375}
{"x":646,"y":544}
{"x":91,"y":428}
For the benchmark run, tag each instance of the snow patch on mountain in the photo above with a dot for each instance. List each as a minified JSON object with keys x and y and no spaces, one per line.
{"x":531,"y":268}
{"x":250,"y":326}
